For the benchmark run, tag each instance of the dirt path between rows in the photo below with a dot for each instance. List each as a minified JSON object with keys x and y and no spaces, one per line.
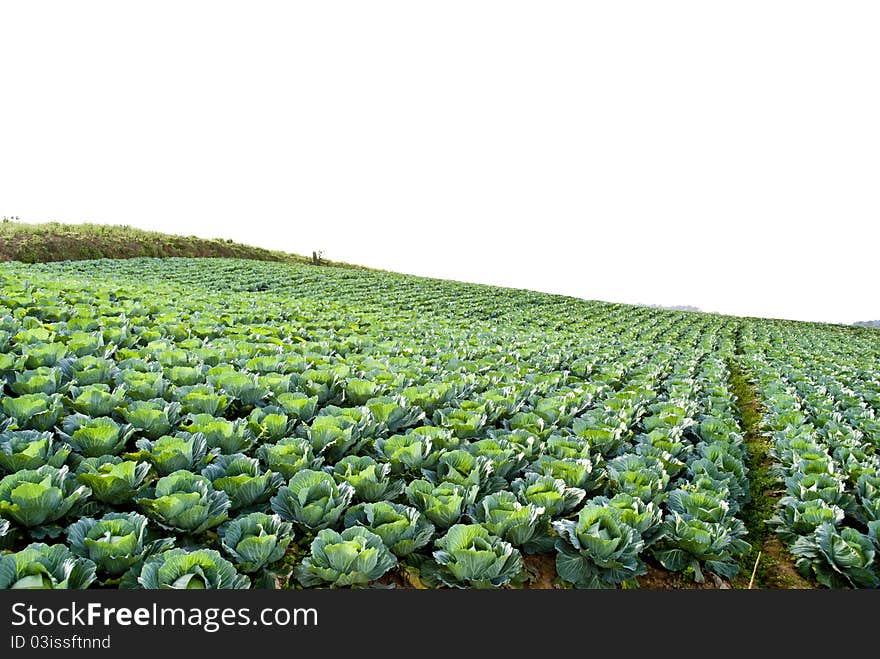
{"x":775,"y":568}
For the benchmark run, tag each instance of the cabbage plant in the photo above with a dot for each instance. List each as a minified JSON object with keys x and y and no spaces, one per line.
{"x":114,"y":542}
{"x":581,"y":473}
{"x":551,"y":494}
{"x":43,"y":380}
{"x":45,"y":567}
{"x":113,"y":480}
{"x":795,"y":518}
{"x":152,"y":419}
{"x":186,"y":502}
{"x":393,"y":414}
{"x":226,"y":436}
{"x":402,"y":528}
{"x":332,"y":437}
{"x":30,"y":449}
{"x":507,"y":460}
{"x":244,"y":388}
{"x":288,"y":456}
{"x":463,"y":423}
{"x":868,"y":496}
{"x":640,"y":476}
{"x":370,"y":479}
{"x":270,"y":424}
{"x":691,"y":542}
{"x":242,"y":479}
{"x":180,"y":569}
{"x":466,"y":469}
{"x":96,"y":399}
{"x":297,"y":406}
{"x":34,"y":497}
{"x":410,"y":453}
{"x":503,"y":515}
{"x":837,"y":557}
{"x":200,"y":399}
{"x":97,"y":437}
{"x":354,"y":557}
{"x":444,"y":504}
{"x":169,"y":453}
{"x":469,"y":556}
{"x":312,"y":499}
{"x":597,"y":550}
{"x":33,"y":411}
{"x":255,"y":541}
{"x":644,"y":518}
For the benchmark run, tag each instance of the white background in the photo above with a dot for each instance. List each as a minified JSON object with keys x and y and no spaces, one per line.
{"x":724,"y":155}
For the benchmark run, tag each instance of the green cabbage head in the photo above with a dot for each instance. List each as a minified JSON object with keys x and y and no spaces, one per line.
{"x":241,"y":478}
{"x":30,"y":449}
{"x":169,"y":454}
{"x":45,"y":567}
{"x":402,"y":528}
{"x":288,"y":456}
{"x":503,"y":515}
{"x":597,"y":550}
{"x":256,"y":540}
{"x":34,"y":497}
{"x":112,"y":479}
{"x":115,"y":542}
{"x":312,"y":499}
{"x":354,"y":557}
{"x":179,"y":569}
{"x":470,"y":557}
{"x":370,"y":479}
{"x":184,"y":501}
{"x":93,"y":438}
{"x":443,"y":504}
{"x":837,"y":558}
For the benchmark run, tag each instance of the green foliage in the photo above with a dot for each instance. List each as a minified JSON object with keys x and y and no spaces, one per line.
{"x":113,"y":480}
{"x":469,"y":556}
{"x":93,"y":438}
{"x":370,"y":479}
{"x":34,"y":497}
{"x":184,"y":388}
{"x":503,"y":515}
{"x":30,"y":449}
{"x":241,"y":478}
{"x":256,"y":540}
{"x":312,"y":500}
{"x":288,"y":456}
{"x":354,"y":557}
{"x":113,"y":543}
{"x":45,"y":567}
{"x":168,"y":454}
{"x":598,"y":549}
{"x":444,"y":504}
{"x":185,"y":502}
{"x":837,"y":557}
{"x":402,"y":528}
{"x":179,"y":569}
{"x":37,"y":411}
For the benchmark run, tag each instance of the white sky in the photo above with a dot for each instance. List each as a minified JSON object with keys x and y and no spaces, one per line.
{"x":723,"y":155}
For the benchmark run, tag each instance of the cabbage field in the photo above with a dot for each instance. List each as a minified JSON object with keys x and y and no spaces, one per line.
{"x":219,"y":423}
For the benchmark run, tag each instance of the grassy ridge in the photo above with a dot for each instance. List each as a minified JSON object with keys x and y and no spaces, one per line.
{"x":53,"y":241}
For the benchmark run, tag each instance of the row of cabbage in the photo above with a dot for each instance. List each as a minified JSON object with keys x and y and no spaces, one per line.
{"x":825,"y":436}
{"x":182,"y":436}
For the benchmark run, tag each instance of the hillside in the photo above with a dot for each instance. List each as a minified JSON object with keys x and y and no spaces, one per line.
{"x":462,"y":434}
{"x":53,"y":241}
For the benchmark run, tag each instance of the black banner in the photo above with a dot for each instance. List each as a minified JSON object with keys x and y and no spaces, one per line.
{"x":406,"y":622}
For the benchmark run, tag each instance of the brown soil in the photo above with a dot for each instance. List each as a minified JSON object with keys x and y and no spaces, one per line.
{"x":659,"y":579}
{"x":541,"y":569}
